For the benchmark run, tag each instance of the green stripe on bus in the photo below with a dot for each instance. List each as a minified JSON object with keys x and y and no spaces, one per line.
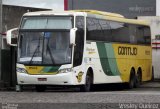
{"x":103,"y":58}
{"x":111,"y":59}
{"x":107,"y":59}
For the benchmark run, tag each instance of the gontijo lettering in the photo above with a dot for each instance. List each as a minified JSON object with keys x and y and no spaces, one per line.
{"x":127,"y":50}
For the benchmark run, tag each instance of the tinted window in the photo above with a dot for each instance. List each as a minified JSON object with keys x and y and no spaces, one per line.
{"x":80,"y":22}
{"x":143,"y":35}
{"x":120,"y":32}
{"x":111,"y":31}
{"x":98,"y":30}
{"x":78,"y":49}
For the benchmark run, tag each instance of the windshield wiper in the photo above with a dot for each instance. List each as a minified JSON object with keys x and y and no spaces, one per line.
{"x":48,"y":49}
{"x":50,"y":53}
{"x":35,"y":51}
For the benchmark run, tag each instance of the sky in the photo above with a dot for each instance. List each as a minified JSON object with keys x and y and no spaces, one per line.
{"x":49,"y":4}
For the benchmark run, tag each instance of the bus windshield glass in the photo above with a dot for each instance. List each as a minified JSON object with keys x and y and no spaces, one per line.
{"x":46,"y":23}
{"x":44,"y":45}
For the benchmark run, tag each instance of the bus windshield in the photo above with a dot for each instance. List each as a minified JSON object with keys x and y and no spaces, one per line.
{"x":46,"y":22}
{"x":44,"y":45}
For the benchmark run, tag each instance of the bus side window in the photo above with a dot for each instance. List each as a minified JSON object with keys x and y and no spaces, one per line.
{"x":132,"y":34}
{"x":120,"y":32}
{"x":147,"y":35}
{"x":91,"y":27}
{"x":143,"y":35}
{"x":78,"y":49}
{"x":98,"y":30}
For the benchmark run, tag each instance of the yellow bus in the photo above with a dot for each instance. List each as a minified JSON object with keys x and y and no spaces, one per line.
{"x":82,"y":48}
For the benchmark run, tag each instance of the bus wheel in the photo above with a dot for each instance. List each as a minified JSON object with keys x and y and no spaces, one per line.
{"x":40,"y":88}
{"x":88,"y":83}
{"x":131,"y":82}
{"x":138,"y":79}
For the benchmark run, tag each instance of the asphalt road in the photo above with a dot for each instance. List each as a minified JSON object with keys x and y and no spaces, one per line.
{"x":101,"y":98}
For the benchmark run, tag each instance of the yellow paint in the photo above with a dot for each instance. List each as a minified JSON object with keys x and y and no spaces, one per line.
{"x":91,"y":52}
{"x":100,"y":13}
{"x":34,"y":70}
{"x":142,"y":59}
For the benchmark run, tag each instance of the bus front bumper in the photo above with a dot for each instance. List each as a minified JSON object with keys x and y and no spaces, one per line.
{"x":58,"y":79}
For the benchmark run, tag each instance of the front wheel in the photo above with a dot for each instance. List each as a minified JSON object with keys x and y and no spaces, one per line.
{"x":87,"y":86}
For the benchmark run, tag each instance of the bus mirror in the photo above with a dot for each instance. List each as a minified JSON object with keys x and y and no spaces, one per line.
{"x":12,"y":36}
{"x":73,"y":36}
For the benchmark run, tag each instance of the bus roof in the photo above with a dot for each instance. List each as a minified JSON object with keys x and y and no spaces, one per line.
{"x":113,"y":17}
{"x":100,"y":13}
{"x":91,"y":13}
{"x":50,"y":13}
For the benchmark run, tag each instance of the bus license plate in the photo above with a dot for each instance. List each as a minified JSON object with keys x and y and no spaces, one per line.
{"x":42,"y":79}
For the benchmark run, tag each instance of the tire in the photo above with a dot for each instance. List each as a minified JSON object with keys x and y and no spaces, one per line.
{"x":138,"y":80}
{"x":40,"y":88}
{"x":131,"y":83}
{"x":88,"y":83}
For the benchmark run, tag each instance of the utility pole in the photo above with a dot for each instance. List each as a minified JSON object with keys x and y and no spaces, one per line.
{"x":0,"y":38}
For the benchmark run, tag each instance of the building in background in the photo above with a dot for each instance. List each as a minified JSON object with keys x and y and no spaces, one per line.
{"x":155,"y":32}
{"x":11,"y":16}
{"x":157,"y":7}
{"x":128,"y":8}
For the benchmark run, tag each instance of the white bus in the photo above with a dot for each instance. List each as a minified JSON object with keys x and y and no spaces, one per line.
{"x":81,"y":48}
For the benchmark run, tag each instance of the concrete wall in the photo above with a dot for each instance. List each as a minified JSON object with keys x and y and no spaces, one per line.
{"x":157,"y":7}
{"x":128,"y":8}
{"x":154,"y":22}
{"x":11,"y":19}
{"x":155,"y":30}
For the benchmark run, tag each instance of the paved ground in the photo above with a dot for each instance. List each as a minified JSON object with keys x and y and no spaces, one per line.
{"x":102,"y":97}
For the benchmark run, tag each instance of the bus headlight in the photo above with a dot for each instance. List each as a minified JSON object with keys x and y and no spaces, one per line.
{"x":66,"y":70}
{"x":21,"y":70}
